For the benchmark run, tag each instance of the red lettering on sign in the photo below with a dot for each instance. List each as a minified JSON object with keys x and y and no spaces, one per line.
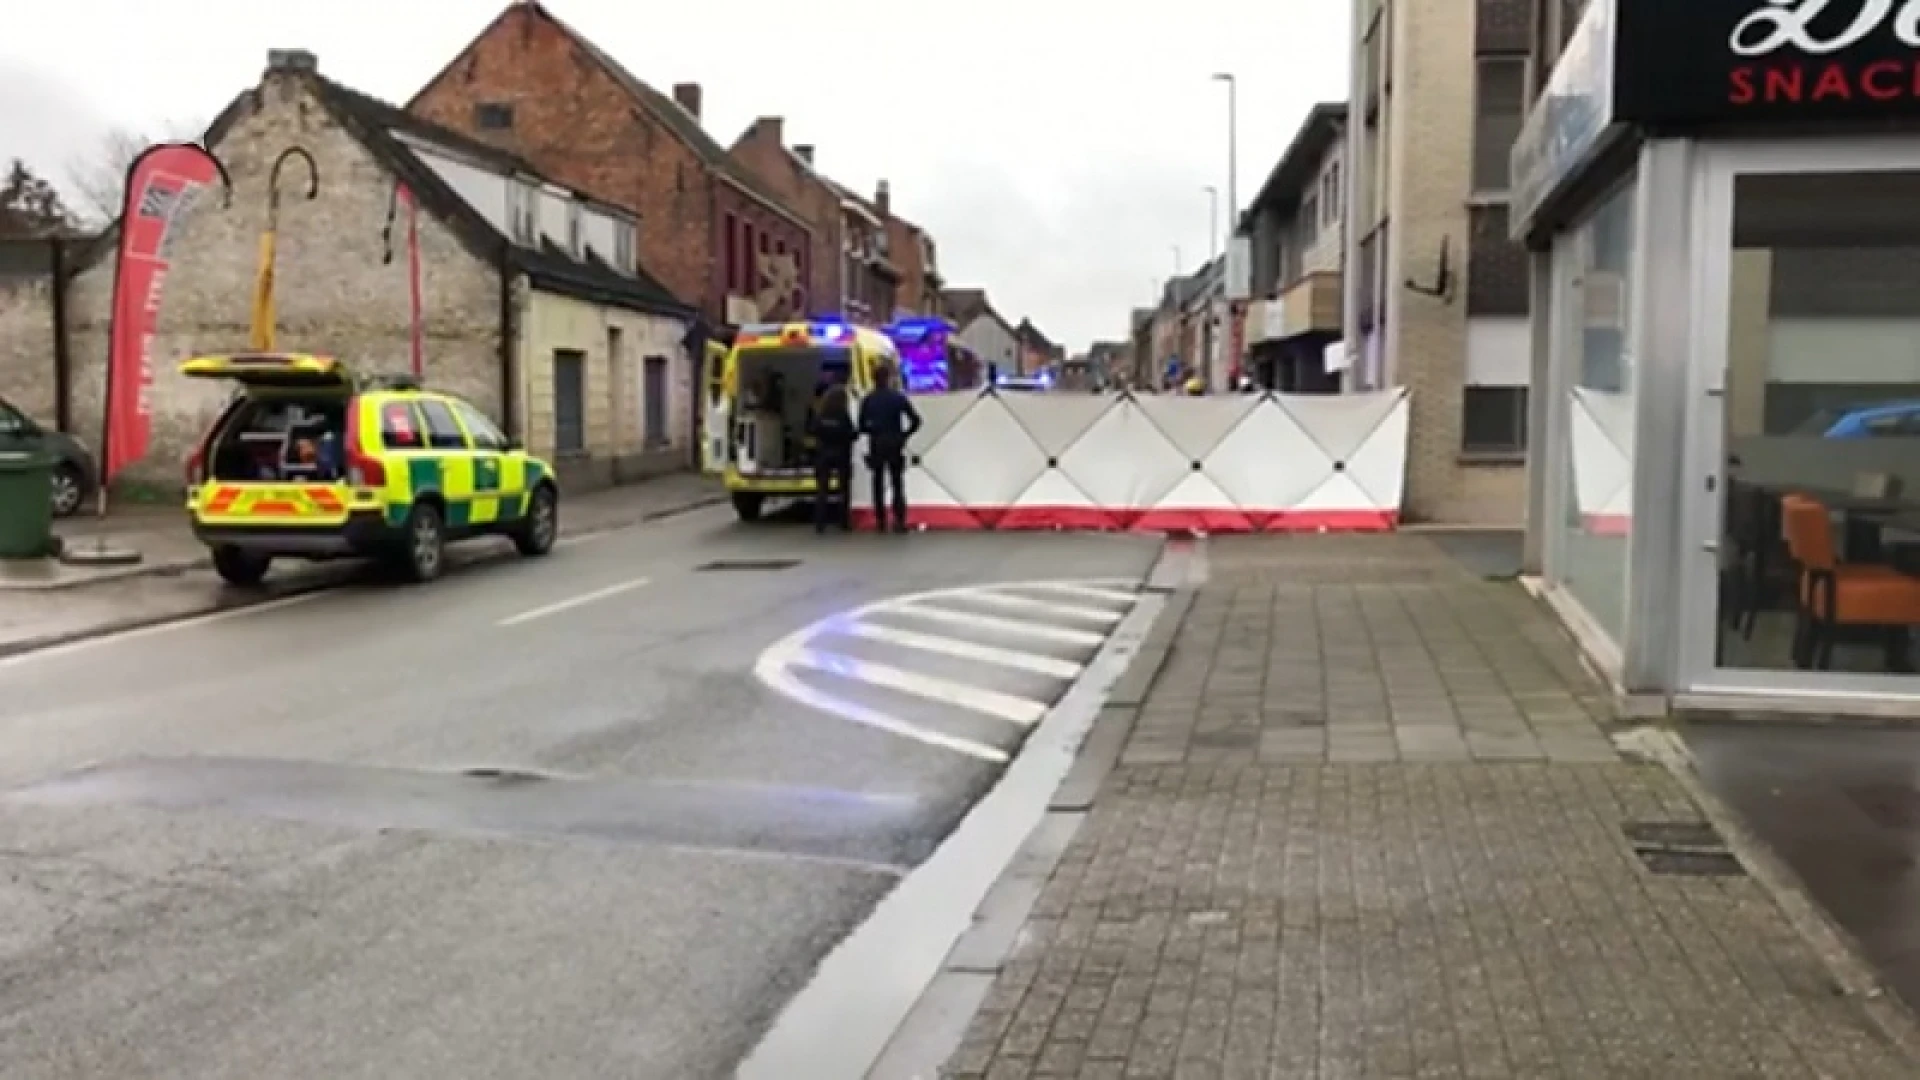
{"x":1881,"y":81}
{"x":1740,"y":89}
{"x":1832,"y":84}
{"x":1796,"y":84}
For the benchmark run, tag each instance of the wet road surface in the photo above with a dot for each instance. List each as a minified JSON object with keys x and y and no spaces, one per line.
{"x":539,"y":818}
{"x":1841,"y":806}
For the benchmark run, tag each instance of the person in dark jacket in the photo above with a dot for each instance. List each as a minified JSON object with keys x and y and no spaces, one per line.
{"x":888,"y":420}
{"x":831,"y":426}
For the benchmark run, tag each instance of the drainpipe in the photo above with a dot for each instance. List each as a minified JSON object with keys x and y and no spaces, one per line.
{"x":62,"y":352}
{"x":509,"y":351}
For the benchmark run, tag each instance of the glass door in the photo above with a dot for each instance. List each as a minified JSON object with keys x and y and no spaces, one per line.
{"x":1802,"y":560}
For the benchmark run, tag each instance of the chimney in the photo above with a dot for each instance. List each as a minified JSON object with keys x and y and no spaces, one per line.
{"x":806,"y":154}
{"x":285,"y":61}
{"x":688,"y":95}
{"x":883,"y":198}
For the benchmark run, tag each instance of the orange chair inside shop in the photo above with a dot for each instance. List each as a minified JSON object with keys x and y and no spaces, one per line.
{"x":1834,"y":594}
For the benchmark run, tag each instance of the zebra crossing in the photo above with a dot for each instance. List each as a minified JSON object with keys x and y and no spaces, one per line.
{"x":968,"y":669}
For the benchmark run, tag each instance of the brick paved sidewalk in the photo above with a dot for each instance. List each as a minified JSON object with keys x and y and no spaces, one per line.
{"x":1369,"y":824}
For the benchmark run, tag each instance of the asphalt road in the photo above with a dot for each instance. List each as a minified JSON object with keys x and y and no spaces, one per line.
{"x":540,"y":818}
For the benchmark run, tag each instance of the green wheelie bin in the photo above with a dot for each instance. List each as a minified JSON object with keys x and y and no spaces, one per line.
{"x":26,"y":504}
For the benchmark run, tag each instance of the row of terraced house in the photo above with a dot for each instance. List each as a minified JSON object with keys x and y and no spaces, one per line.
{"x":580,"y":237}
{"x":1379,"y":255}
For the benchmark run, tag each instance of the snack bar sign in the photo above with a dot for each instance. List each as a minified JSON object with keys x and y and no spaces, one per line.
{"x":1760,"y":62}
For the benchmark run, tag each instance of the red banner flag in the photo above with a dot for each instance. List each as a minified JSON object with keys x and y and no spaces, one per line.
{"x":161,"y":183}
{"x":403,"y":195}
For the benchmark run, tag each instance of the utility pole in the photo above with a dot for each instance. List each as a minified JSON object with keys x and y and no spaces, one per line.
{"x":1213,"y":222}
{"x":1233,"y":148}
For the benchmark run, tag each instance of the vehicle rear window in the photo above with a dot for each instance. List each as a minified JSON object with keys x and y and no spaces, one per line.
{"x":398,"y":428}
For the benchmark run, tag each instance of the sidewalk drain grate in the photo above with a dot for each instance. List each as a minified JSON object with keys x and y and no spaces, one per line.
{"x":1691,"y":863}
{"x":725,"y":565}
{"x":1683,"y":834}
{"x":1682,"y":848}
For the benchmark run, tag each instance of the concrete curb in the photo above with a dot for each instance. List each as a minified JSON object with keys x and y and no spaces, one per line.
{"x":1853,"y":975}
{"x":934,"y":1027}
{"x":315,"y":579}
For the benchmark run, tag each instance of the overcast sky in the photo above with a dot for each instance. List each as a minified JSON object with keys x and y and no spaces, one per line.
{"x":1057,"y":149}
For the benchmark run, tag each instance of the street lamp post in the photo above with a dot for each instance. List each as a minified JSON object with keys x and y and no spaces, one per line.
{"x":1233,"y":146}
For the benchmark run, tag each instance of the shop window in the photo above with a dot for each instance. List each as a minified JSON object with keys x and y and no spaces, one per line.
{"x":1500,"y":102}
{"x":1597,"y":488}
{"x":1822,"y":403}
{"x":569,"y":401}
{"x":1494,"y":420}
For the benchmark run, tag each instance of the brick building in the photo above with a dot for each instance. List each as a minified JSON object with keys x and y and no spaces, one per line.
{"x":1294,"y":231}
{"x":713,"y":232}
{"x":1436,"y":292}
{"x":533,"y":306}
{"x":866,"y":258}
{"x":1037,"y":351}
{"x":918,"y":258}
{"x":852,"y":275}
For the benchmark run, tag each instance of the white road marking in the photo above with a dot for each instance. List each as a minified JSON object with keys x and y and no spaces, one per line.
{"x":777,"y":667}
{"x":1090,"y":592}
{"x":574,"y":602}
{"x":773,"y":669}
{"x":1018,"y":710}
{"x":960,"y":649}
{"x":1016,"y":602}
{"x":997,"y":624}
{"x":164,"y":628}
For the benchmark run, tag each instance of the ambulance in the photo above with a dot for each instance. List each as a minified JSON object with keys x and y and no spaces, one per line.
{"x":760,"y":392}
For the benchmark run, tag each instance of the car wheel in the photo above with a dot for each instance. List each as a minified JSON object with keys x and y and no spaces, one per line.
{"x":243,"y":568}
{"x":747,"y":505}
{"x":69,"y":490}
{"x":537,"y":531}
{"x":425,"y":554}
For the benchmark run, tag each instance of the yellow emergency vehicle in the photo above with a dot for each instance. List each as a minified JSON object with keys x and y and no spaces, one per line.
{"x":760,"y":392}
{"x":309,"y":462}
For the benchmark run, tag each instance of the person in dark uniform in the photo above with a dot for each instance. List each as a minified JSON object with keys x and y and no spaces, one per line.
{"x":888,"y":420}
{"x":831,"y":426}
